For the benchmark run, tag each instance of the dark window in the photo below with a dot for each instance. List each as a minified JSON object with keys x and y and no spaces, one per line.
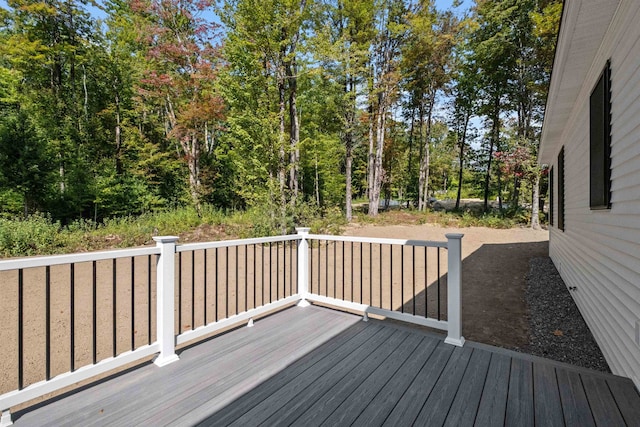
{"x":561,"y":189}
{"x":600,"y":142}
{"x":550,"y":196}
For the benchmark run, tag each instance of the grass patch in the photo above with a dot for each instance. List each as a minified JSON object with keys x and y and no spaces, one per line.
{"x":39,"y":235}
{"x":462,"y":218}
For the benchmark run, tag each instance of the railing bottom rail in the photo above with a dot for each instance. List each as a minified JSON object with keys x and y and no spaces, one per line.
{"x":367,"y":309}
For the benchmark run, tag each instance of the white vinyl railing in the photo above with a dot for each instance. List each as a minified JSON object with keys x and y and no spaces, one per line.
{"x":27,"y":276}
{"x":358,"y":273}
{"x":216,"y":285}
{"x":261,"y":275}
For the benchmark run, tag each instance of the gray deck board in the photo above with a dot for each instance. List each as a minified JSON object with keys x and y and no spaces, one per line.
{"x":230,"y":368}
{"x":147,"y":382}
{"x":346,"y":356}
{"x":353,"y":405}
{"x":493,"y":402}
{"x":319,"y":385}
{"x":330,"y":352}
{"x":547,"y":407}
{"x":246,"y":369}
{"x":626,"y":397}
{"x":603,"y":406}
{"x":574,"y":401}
{"x":436,"y":408}
{"x":410,"y":404}
{"x":520,"y":397}
{"x":383,"y":403}
{"x":314,"y":366}
{"x":465,"y":405}
{"x":327,"y":403}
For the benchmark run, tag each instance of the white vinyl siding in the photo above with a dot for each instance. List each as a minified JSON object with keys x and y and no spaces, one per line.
{"x":599,"y":251}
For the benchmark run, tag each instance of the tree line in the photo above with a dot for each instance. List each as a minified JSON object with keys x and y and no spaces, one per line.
{"x":275,"y":105}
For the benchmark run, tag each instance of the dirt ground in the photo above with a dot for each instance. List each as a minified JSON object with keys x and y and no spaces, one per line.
{"x":494,"y":310}
{"x":494,"y":265}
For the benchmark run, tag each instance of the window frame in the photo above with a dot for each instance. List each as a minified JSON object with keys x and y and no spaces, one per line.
{"x":561,"y":159}
{"x":551,"y":194}
{"x":600,"y":142}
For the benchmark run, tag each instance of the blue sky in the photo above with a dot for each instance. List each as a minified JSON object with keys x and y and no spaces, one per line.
{"x":446,"y":4}
{"x":440,"y":4}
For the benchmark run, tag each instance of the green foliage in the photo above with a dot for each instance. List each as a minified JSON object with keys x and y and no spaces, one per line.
{"x":11,"y":202}
{"x":117,"y":126}
{"x":37,"y":235}
{"x":471,"y":217}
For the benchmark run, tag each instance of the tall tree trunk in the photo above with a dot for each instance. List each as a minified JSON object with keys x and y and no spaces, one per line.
{"x":56,"y":88}
{"x":192,"y":148}
{"x":291,"y":72}
{"x":317,"y":182}
{"x":422,"y":155}
{"x":499,"y":174}
{"x":282,"y":167}
{"x":376,"y":169}
{"x":423,"y":192}
{"x":410,"y":159}
{"x":372,"y":158}
{"x":371,"y":114}
{"x":350,"y":88}
{"x":348,"y":167}
{"x":535,"y":220}
{"x":61,"y":174}
{"x":495,"y":131}
{"x":516,"y":191}
{"x":462,"y":142}
{"x":294,"y":134}
{"x":118,"y":137}
{"x":499,"y":178}
{"x":86,"y":94}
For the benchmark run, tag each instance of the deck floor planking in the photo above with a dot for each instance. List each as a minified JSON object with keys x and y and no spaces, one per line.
{"x":316,"y":366}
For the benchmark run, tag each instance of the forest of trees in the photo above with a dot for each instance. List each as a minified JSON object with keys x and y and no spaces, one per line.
{"x":131,"y":106}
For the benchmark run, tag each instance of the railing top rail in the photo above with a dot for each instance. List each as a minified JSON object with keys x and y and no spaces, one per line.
{"x":43,"y":261}
{"x":237,"y":242}
{"x":423,"y":243}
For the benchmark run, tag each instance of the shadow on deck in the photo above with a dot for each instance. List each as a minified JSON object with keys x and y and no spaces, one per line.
{"x":312,"y":366}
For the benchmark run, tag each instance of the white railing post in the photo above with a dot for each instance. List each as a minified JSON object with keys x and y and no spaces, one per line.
{"x":5,"y":419}
{"x":165,"y":297}
{"x":454,"y":289}
{"x":303,"y":266}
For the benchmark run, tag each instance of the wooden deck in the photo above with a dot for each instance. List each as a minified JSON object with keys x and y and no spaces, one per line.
{"x":314,"y":366}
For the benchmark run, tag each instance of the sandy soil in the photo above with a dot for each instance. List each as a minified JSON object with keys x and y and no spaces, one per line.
{"x":494,"y":311}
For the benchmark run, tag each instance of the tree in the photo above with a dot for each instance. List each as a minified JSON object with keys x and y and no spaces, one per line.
{"x":49,"y":44}
{"x":513,"y":63}
{"x":383,"y":86}
{"x":126,"y":115}
{"x":462,"y":91}
{"x":546,"y":20}
{"x":492,"y":58}
{"x":262,"y":43}
{"x":344,"y":41}
{"x":182,"y":66}
{"x":427,"y":59}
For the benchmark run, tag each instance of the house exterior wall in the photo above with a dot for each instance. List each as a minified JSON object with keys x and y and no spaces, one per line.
{"x":598,"y":253}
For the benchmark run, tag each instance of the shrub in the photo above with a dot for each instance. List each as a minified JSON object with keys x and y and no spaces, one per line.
{"x":35,"y":235}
